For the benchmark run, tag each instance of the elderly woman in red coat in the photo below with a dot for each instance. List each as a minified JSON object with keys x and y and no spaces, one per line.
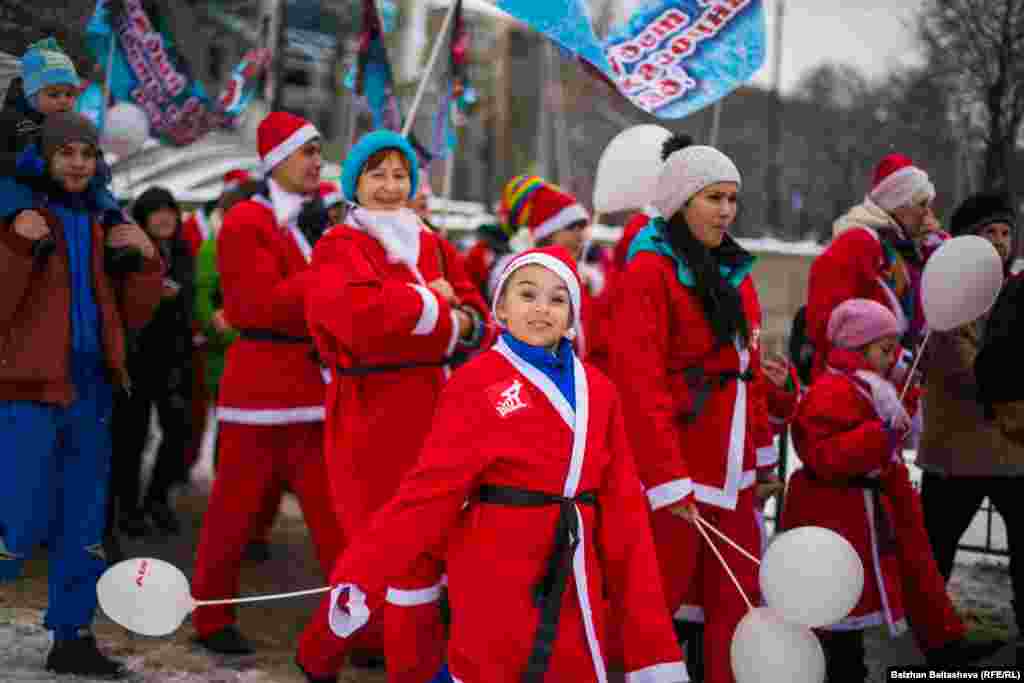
{"x":391,"y":308}
{"x":685,"y":357}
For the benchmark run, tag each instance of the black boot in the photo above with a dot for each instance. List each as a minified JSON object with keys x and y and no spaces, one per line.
{"x":227,"y":641}
{"x":80,"y":657}
{"x":962,"y":652}
{"x":315,"y":679}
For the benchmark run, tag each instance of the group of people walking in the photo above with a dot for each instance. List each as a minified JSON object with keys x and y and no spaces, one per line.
{"x":442,"y":426}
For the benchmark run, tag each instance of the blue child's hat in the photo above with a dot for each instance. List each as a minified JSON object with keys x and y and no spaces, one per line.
{"x":45,"y":64}
{"x":369,"y":145}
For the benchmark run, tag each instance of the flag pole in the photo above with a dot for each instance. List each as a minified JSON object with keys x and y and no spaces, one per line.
{"x":411,"y":116}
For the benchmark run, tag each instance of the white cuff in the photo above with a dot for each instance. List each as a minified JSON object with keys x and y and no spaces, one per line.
{"x":430,"y":313}
{"x":668,"y":493}
{"x":767,"y":456}
{"x":412,"y":598}
{"x":670,"y":672}
{"x":455,"y":335}
{"x":347,"y":620}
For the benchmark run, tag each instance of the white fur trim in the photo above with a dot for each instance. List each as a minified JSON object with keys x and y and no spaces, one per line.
{"x":573,"y":213}
{"x":289,"y":146}
{"x":271,"y":416}
{"x":669,"y":672}
{"x":345,"y":622}
{"x":552,"y":264}
{"x":689,"y":613}
{"x":876,"y":564}
{"x":767,"y":456}
{"x":454,"y":340}
{"x":668,"y":493}
{"x":431,"y":311}
{"x":403,"y":597}
{"x":901,"y":187}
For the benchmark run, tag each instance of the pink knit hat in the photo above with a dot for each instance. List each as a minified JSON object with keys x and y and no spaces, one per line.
{"x":858,"y":322}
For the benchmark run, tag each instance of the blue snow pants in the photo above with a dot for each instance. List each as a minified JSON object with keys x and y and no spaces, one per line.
{"x":54,"y":474}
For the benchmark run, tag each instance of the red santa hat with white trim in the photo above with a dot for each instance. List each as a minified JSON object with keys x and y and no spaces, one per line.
{"x":898,"y":182}
{"x":552,"y":209}
{"x":235,"y":178}
{"x":559,"y":261}
{"x":280,"y":135}
{"x":330,"y":193}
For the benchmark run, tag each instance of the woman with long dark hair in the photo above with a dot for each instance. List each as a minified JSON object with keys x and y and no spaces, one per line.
{"x":684,"y":356}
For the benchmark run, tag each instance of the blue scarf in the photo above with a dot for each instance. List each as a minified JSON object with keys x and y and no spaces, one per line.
{"x":557,"y":365}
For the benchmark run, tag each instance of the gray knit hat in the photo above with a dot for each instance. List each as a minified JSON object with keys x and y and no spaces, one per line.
{"x":688,"y":171}
{"x":61,"y":128}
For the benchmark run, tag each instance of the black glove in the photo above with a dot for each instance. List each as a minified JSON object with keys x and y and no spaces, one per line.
{"x":122,"y":260}
{"x":312,"y":220}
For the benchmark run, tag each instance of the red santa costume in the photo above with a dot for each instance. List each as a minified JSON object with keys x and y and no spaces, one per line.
{"x":871,"y":257}
{"x":270,"y":406}
{"x":529,"y":454}
{"x":200,"y":224}
{"x":388,"y":339}
{"x":692,"y":408}
{"x":849,"y":430}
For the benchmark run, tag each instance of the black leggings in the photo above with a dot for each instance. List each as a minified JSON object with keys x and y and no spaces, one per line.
{"x":844,"y":656}
{"x":950,"y":504}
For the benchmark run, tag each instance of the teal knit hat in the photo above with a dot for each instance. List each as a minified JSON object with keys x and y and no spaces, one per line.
{"x":45,"y":64}
{"x":368,"y":145}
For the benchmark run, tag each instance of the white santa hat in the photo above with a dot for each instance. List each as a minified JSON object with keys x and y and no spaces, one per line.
{"x":280,"y":135}
{"x":898,"y":182}
{"x":688,"y":171}
{"x":559,"y":261}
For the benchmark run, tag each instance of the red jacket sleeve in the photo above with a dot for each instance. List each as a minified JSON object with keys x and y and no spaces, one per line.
{"x":257,"y":294}
{"x":368,"y":316}
{"x":467,"y":291}
{"x":632,"y":576}
{"x":639,"y":364}
{"x":139,"y":294}
{"x":846,"y":270}
{"x":16,"y":264}
{"x":422,"y":512}
{"x":837,"y":444}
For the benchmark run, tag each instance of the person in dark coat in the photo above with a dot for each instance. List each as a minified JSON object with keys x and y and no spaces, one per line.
{"x":159,"y":364}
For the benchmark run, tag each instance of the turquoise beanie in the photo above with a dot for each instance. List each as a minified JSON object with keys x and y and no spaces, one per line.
{"x":45,"y":64}
{"x":368,"y":145}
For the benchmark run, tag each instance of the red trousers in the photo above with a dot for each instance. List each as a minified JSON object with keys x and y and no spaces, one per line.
{"x":413,"y":635}
{"x":928,"y":606}
{"x":254,"y":462}
{"x":686,"y":560}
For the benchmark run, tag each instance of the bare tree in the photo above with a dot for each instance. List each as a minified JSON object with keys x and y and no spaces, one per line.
{"x":978,"y":46}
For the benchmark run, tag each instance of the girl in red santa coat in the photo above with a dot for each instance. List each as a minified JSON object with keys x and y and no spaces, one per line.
{"x":685,"y":357}
{"x":849,"y":430}
{"x":271,"y":402}
{"x":534,"y":440}
{"x":391,"y":308}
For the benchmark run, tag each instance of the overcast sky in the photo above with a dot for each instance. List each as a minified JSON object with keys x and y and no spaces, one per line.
{"x":870,"y":34}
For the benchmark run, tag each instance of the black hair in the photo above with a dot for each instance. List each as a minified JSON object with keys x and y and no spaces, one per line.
{"x":721,"y":302}
{"x":151,"y":201}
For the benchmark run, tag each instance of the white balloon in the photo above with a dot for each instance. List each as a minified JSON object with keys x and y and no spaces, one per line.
{"x":627,"y":173}
{"x":811,"y":576}
{"x":961,"y":282}
{"x":125,"y":130}
{"x":765,"y":647}
{"x":145,"y":595}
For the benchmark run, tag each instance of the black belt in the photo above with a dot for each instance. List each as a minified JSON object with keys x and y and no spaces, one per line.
{"x":702,"y":384}
{"x":885,"y":528}
{"x":363,"y":370}
{"x":254,"y":334}
{"x":548,"y":592}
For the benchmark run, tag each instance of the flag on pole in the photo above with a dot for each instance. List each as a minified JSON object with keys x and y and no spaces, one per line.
{"x":670,"y":58}
{"x":147,"y":70}
{"x":372,"y":79}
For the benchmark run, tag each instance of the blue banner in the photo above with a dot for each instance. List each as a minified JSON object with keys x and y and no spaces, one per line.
{"x":90,"y":104}
{"x":148,"y":71}
{"x":671,"y":57}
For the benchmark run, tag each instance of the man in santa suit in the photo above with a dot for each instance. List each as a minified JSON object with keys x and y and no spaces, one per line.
{"x":877,"y":252}
{"x":271,"y":403}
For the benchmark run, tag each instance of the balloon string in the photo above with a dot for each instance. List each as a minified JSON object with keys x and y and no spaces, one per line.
{"x":726,"y":566}
{"x":917,"y":359}
{"x":259,"y":598}
{"x":728,"y":540}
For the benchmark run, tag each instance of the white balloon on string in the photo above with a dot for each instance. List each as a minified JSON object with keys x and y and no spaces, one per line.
{"x":766,"y":647}
{"x":125,"y":130}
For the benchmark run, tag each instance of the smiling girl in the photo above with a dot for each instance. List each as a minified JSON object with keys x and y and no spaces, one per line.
{"x":527,"y":478}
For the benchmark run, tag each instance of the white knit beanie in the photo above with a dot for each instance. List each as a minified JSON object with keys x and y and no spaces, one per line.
{"x":688,"y":171}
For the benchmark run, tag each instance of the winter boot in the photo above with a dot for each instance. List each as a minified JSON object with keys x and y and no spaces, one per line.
{"x":227,"y":641}
{"x":80,"y":657}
